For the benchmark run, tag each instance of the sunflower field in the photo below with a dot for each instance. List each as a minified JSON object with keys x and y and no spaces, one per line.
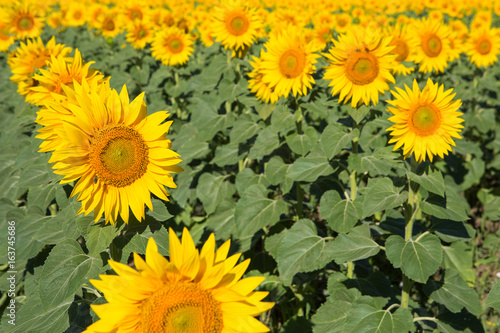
{"x":222,"y":166}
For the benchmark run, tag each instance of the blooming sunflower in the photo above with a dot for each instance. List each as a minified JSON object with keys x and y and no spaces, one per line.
{"x":24,"y":19}
{"x":195,"y":291}
{"x":6,"y":39}
{"x":62,"y":71}
{"x":403,"y":44}
{"x":117,"y":155}
{"x":235,"y":26}
{"x":360,"y":67}
{"x":288,"y":64}
{"x":172,"y":46}
{"x":139,"y":33}
{"x":75,"y":14}
{"x":30,"y":55}
{"x":259,"y":87}
{"x":433,"y":46}
{"x":483,"y":47}
{"x":109,"y":23}
{"x":424,"y":121}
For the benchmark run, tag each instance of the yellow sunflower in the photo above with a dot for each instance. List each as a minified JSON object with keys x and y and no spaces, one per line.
{"x":172,"y":46}
{"x":192,"y":291}
{"x":109,"y":24}
{"x":62,"y":71}
{"x":139,"y":33}
{"x":27,"y":57}
{"x":403,"y":44}
{"x":257,"y":86}
{"x":6,"y":39}
{"x":432,"y":51}
{"x":483,"y":47}
{"x":288,"y":64}
{"x":75,"y":14}
{"x":360,"y":66}
{"x":24,"y":19}
{"x":342,"y":22}
{"x":235,"y":26}
{"x":117,"y":154}
{"x":425,"y":122}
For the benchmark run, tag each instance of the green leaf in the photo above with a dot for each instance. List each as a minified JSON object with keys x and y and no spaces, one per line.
{"x":209,"y":123}
{"x":365,"y":318}
{"x":418,"y":259}
{"x":462,"y":322}
{"x":356,"y":245}
{"x":99,"y":238}
{"x":308,"y":169}
{"x":297,"y":325}
{"x":302,"y":250}
{"x":228,"y":154}
{"x":301,"y":144}
{"x":459,"y":256}
{"x":476,"y":168}
{"x":212,"y":189}
{"x":244,"y":128}
{"x":191,"y":145}
{"x":454,"y":293}
{"x":282,"y":119}
{"x":273,"y":243}
{"x":380,"y":195}
{"x":335,"y":138}
{"x":255,"y":211}
{"x":136,"y":240}
{"x":446,"y":208}
{"x":222,"y":222}
{"x":41,"y":196}
{"x":247,"y":178}
{"x":432,"y":181}
{"x":358,"y":113}
{"x":267,"y":141}
{"x":340,"y":213}
{"x":450,"y":231}
{"x":276,"y":170}
{"x":493,"y":299}
{"x":65,"y":271}
{"x":379,"y":162}
{"x":159,"y":212}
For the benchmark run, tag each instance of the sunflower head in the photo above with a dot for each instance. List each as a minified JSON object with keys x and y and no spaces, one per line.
{"x":172,"y":46}
{"x":425,"y":121}
{"x":192,"y":291}
{"x":24,"y":18}
{"x":483,"y":47}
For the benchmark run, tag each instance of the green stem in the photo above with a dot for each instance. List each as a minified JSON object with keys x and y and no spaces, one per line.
{"x":300,"y":200}
{"x":350,"y":269}
{"x":411,"y":208}
{"x":354,"y":193}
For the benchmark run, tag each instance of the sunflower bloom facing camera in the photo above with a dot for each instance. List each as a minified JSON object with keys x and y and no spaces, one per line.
{"x":288,"y":64}
{"x":425,"y":122}
{"x":172,"y":46}
{"x":116,"y":154}
{"x":483,"y":46}
{"x":195,"y":291}
{"x":360,"y":67}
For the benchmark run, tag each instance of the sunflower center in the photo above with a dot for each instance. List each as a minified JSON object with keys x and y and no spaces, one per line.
{"x":483,"y":46}
{"x":362,"y":68}
{"x":77,"y":15}
{"x":141,"y":33}
{"x":292,"y":63}
{"x":432,"y":45}
{"x":181,"y":307}
{"x":237,"y":24}
{"x":174,"y":44}
{"x":401,"y":49}
{"x":110,"y":25}
{"x":136,"y":14}
{"x":25,"y":23}
{"x":426,"y":119}
{"x":119,"y":155}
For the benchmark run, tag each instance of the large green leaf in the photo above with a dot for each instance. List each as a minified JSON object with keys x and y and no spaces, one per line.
{"x":65,"y":271}
{"x":267,"y":141}
{"x":356,"y":245}
{"x":340,"y":213}
{"x":378,"y":162}
{"x":459,"y":256}
{"x":334,"y":138}
{"x":450,"y":207}
{"x":418,"y":259}
{"x":364,"y":318}
{"x":380,"y":195}
{"x":255,"y":211}
{"x":493,"y":299}
{"x":301,"y":144}
{"x":302,"y":250}
{"x":309,"y":168}
{"x":454,"y":293}
{"x":432,"y":181}
{"x":212,"y":189}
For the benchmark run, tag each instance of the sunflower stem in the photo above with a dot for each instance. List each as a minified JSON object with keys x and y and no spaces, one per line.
{"x":354,"y":193}
{"x":300,"y":200}
{"x":411,"y":208}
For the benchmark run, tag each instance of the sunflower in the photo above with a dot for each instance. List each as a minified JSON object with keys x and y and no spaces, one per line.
{"x":342,"y":22}
{"x":288,"y":64}
{"x":403,"y":44}
{"x":483,"y":47}
{"x":235,"y":26}
{"x":75,"y":14}
{"x":117,"y":155}
{"x":133,"y":10}
{"x":360,"y":67}
{"x":62,"y":71}
{"x":27,"y":57}
{"x":424,"y":121}
{"x":261,"y":89}
{"x":6,"y":39}
{"x":195,"y":291}
{"x":432,"y":51}
{"x":139,"y":33}
{"x":24,"y":19}
{"x":109,"y":24}
{"x":172,"y":46}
